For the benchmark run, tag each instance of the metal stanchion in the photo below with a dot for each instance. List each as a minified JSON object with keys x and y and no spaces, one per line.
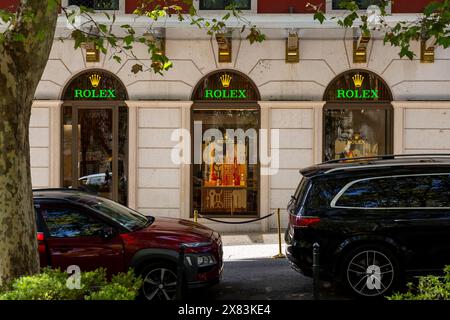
{"x":180,"y":274}
{"x":195,"y":216}
{"x":280,"y":251}
{"x":316,"y":271}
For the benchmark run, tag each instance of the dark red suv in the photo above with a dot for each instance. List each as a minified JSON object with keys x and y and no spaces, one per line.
{"x":76,"y":228}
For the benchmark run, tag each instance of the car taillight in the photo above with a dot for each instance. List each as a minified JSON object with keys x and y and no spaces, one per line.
{"x":40,"y":236}
{"x":302,"y":221}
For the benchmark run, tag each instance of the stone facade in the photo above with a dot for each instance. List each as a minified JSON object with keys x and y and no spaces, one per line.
{"x":291,"y":95}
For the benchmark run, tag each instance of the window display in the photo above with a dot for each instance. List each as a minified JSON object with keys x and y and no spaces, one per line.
{"x":226,"y":182}
{"x":357,"y":116}
{"x":355,"y":133}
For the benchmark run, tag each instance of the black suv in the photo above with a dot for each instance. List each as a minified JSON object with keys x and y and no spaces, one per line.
{"x":377,"y":220}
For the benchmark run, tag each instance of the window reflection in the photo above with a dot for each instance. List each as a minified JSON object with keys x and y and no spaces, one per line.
{"x":68,"y":223}
{"x":362,"y":4}
{"x":222,"y":4}
{"x":91,"y":165}
{"x":430,"y":191}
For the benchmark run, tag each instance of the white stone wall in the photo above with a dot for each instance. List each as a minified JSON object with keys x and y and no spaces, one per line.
{"x":321,"y":61}
{"x":296,"y":125}
{"x":40,"y":147}
{"x":425,"y":127}
{"x":158,"y":179}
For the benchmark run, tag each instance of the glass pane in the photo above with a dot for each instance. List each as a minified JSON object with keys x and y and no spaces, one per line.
{"x":97,"y":4}
{"x":68,"y":223}
{"x":123,"y":156}
{"x":226,"y":181}
{"x":67,"y":148}
{"x":362,"y":4}
{"x":222,"y":4}
{"x":127,"y":217}
{"x":355,"y":133}
{"x":432,"y":191}
{"x":95,"y":140}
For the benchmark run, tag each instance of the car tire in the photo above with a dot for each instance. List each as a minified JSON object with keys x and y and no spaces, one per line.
{"x":159,"y":281}
{"x":370,"y":271}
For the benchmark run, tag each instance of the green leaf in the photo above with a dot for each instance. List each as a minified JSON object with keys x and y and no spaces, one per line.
{"x":136,"y":68}
{"x":432,"y":7}
{"x":103,"y":28}
{"x":128,"y":39}
{"x":6,"y":16}
{"x":18,"y":37}
{"x":319,"y":16}
{"x":405,"y":51}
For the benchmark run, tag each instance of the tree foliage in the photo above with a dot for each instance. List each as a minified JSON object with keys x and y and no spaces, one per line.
{"x":433,"y":24}
{"x":427,"y":288}
{"x":121,"y":40}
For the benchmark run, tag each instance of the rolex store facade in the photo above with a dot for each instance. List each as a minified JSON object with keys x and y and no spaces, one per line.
{"x":146,"y":140}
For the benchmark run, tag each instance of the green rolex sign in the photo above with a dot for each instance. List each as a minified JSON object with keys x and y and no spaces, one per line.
{"x":225,"y":93}
{"x":357,"y":93}
{"x":95,"y":93}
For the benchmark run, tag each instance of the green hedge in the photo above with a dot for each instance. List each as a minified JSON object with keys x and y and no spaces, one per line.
{"x":427,"y":288}
{"x":50,"y":284}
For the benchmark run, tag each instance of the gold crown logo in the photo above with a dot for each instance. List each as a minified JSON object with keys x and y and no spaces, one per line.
{"x":358,"y":80}
{"x":95,"y":80}
{"x":226,"y":80}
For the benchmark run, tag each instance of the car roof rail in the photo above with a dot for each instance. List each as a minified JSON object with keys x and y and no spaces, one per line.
{"x":391,"y":157}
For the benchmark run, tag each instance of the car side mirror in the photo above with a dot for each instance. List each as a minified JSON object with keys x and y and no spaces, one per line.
{"x":107,"y":233}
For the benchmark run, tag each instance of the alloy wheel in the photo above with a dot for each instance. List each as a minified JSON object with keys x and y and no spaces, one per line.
{"x":160,"y":284}
{"x":370,"y":273}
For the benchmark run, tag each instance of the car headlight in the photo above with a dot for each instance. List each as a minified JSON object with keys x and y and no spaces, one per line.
{"x":197,"y":244}
{"x":205,"y":260}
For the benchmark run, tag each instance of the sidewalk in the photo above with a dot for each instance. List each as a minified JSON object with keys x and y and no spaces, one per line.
{"x":250,"y":246}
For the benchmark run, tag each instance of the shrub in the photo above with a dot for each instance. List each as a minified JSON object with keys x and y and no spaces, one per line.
{"x":427,"y":288}
{"x":50,"y":284}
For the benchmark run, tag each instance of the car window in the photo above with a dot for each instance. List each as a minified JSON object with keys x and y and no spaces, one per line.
{"x":323,"y":190}
{"x":419,"y":191}
{"x":68,"y":222}
{"x":126,"y":217}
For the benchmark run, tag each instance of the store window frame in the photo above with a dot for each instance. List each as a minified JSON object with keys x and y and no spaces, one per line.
{"x":121,"y":8}
{"x":329,"y":8}
{"x":384,"y":103}
{"x":253,"y":8}
{"x":114,"y":106}
{"x":223,"y":105}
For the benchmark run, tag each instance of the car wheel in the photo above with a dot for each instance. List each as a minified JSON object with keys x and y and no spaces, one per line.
{"x":371,"y":271}
{"x":159,"y":282}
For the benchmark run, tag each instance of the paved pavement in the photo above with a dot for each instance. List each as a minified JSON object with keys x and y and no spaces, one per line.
{"x":250,"y":273}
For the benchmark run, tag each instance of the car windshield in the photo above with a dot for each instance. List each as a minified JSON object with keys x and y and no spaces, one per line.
{"x":126,"y":217}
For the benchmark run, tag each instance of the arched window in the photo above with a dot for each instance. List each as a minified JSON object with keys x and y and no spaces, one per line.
{"x":95,"y":135}
{"x":225,"y":127}
{"x":358,"y":116}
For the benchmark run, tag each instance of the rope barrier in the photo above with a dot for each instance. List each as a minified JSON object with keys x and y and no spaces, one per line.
{"x":277,"y":256}
{"x":236,"y":222}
